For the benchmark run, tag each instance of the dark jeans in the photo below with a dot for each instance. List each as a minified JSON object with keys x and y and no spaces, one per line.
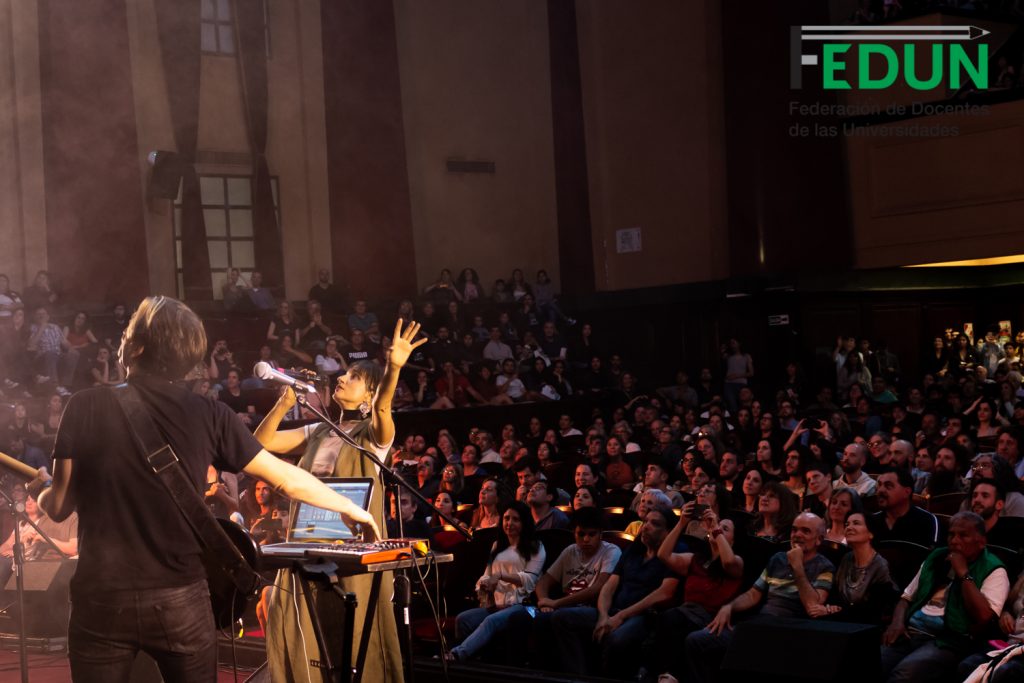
{"x":674,"y":625}
{"x":918,"y":658}
{"x":1010,"y":672}
{"x":620,"y":649}
{"x":172,"y":625}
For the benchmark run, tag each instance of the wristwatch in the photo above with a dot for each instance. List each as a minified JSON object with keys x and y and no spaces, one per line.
{"x":965,"y":577}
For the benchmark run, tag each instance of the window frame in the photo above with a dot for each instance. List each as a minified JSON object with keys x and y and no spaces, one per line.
{"x":219,"y":274}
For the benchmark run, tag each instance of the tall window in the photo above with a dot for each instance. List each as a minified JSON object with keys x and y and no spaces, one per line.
{"x":218,"y":28}
{"x":227,"y":211}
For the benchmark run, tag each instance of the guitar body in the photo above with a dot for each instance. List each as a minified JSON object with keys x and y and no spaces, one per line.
{"x":227,"y":600}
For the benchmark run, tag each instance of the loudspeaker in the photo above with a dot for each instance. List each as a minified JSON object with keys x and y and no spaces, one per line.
{"x":782,"y":649}
{"x":44,"y":575}
{"x":165,"y":175}
{"x":47,"y":599}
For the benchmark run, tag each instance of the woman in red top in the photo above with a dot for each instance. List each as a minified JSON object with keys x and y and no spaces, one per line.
{"x":617,"y":472}
{"x":711,"y":581}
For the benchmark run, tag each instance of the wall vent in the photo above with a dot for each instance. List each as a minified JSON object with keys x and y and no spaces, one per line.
{"x":464,"y":166}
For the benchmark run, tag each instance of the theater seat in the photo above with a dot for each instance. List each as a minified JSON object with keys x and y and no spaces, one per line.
{"x":618,"y":538}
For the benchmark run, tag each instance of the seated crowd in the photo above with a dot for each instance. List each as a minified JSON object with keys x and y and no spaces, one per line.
{"x":636,"y":545}
{"x":689,"y":511}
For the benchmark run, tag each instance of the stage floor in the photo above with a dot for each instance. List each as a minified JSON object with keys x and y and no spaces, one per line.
{"x":54,"y":668}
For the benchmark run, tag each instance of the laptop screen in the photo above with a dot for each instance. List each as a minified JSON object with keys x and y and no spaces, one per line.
{"x":317,"y":524}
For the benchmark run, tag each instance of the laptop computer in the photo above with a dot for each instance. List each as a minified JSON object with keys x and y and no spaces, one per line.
{"x":311,"y":526}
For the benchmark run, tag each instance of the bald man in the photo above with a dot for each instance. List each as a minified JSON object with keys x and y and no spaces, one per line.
{"x":791,"y":583}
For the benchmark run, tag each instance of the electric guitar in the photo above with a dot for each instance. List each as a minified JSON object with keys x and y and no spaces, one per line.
{"x":226,"y":598}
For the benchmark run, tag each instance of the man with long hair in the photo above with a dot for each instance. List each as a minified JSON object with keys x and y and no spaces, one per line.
{"x":140,"y":582}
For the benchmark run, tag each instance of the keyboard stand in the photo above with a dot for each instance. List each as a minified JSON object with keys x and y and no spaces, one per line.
{"x":324,"y":571}
{"x":327,"y":573}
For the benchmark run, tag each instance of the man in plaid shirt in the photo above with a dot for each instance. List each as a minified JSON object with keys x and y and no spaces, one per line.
{"x":51,"y":352}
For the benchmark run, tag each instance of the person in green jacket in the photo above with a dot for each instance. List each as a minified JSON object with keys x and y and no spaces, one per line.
{"x":942,"y":615}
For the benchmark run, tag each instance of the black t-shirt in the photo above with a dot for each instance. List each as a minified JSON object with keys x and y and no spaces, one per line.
{"x":131,"y":534}
{"x":330,"y":297}
{"x":639,"y":576}
{"x":442,"y":351}
{"x":917,"y":526}
{"x":238,"y":404}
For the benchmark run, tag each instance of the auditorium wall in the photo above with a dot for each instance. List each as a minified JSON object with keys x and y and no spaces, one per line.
{"x":22,"y":194}
{"x":476,"y":86}
{"x":652,"y":97}
{"x":929,"y":198}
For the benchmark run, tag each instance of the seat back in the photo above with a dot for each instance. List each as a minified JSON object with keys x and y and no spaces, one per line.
{"x":904,"y":559}
{"x":618,"y":538}
{"x":555,"y":541}
{"x":834,"y":551}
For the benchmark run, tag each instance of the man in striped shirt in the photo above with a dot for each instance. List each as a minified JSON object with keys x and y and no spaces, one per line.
{"x":791,"y":583}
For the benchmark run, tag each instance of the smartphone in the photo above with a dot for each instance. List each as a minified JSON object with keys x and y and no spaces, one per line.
{"x":698,"y":510}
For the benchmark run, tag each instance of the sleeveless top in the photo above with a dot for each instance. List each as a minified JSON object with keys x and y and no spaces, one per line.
{"x":737,"y":364}
{"x":291,"y":643}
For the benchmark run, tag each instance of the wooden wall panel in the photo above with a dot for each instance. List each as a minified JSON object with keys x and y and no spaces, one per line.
{"x":96,"y":239}
{"x":940,"y":198}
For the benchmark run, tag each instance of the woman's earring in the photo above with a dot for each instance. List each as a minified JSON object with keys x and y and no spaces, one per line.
{"x":364,"y":409}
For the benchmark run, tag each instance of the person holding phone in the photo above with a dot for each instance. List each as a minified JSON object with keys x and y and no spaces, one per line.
{"x":711,"y":581}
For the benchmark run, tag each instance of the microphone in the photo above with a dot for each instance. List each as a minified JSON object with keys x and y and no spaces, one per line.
{"x":268,"y":373}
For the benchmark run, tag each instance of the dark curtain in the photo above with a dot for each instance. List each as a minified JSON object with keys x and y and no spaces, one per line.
{"x":178,"y":26}
{"x":252,"y":56}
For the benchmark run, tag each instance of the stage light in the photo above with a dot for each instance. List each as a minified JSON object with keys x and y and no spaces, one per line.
{"x":994,"y":261}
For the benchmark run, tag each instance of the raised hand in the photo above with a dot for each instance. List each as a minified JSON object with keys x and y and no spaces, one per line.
{"x":402,"y":344}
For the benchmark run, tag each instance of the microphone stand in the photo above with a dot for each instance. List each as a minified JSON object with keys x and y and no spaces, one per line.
{"x":402,"y":583}
{"x":18,"y":512}
{"x":392,"y":478}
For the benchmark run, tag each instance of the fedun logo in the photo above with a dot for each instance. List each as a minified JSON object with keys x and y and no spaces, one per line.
{"x":953,"y":60}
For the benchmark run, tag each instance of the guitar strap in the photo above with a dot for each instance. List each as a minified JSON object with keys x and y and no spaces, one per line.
{"x":164,"y":462}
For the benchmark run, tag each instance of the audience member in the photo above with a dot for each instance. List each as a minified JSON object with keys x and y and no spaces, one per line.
{"x":621,"y":621}
{"x":937,"y":622}
{"x":574,"y":579}
{"x":792,"y":584}
{"x":328,"y":294}
{"x":711,"y":581}
{"x":852,"y":463}
{"x":863,"y":591}
{"x":897,"y":517}
{"x":260,"y":298}
{"x":511,"y":574}
{"x":656,"y":477}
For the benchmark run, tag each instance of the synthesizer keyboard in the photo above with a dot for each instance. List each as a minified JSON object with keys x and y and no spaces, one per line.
{"x":350,"y":552}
